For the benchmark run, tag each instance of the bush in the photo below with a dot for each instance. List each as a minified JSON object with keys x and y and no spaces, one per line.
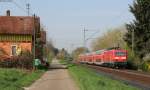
{"x":145,"y":66}
{"x":133,"y":62}
{"x":23,"y":61}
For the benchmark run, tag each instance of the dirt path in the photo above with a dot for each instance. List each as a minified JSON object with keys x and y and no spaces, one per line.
{"x":54,"y":79}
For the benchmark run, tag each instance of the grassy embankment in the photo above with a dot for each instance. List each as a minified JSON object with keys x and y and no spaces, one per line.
{"x":15,"y":79}
{"x":87,"y":79}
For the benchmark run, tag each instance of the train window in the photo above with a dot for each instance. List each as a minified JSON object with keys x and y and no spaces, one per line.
{"x":120,"y":53}
{"x":98,"y":60}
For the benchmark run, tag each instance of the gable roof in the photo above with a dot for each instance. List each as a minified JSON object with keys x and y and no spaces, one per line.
{"x":17,"y":24}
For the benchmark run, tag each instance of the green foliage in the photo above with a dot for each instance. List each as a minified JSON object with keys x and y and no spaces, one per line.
{"x":140,"y":27}
{"x":145,"y":66}
{"x":133,"y":63}
{"x":63,"y":54}
{"x":50,"y":57}
{"x":39,"y":49}
{"x":15,"y":79}
{"x":78,"y":51}
{"x":90,"y":80}
{"x":30,"y":77}
{"x":23,"y":61}
{"x":66,"y":61}
{"x":51,"y":51}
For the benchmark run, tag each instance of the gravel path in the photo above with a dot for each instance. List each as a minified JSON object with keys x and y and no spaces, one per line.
{"x":139,"y":80}
{"x":54,"y":79}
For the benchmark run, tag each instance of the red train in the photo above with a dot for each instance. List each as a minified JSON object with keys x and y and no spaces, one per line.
{"x":112,"y":58}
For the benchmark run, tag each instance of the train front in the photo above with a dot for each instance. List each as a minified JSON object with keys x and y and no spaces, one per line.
{"x":120,"y":57}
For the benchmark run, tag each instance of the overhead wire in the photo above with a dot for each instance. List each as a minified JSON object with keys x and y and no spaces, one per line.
{"x":120,"y":16}
{"x":20,"y":7}
{"x":17,"y":5}
{"x":114,"y":19}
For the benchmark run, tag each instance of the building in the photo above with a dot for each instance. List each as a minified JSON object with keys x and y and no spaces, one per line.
{"x":41,"y":49}
{"x":17,"y":34}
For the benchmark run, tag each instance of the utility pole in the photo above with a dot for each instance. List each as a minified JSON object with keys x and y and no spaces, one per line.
{"x":84,"y":38}
{"x":84,"y":42}
{"x":34,"y":37}
{"x":72,"y":47}
{"x":132,"y":41}
{"x":28,"y":8}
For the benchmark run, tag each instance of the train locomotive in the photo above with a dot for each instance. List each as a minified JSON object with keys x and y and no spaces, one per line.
{"x":107,"y":57}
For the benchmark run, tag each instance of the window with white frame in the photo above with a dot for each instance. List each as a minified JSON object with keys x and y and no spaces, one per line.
{"x":14,"y":50}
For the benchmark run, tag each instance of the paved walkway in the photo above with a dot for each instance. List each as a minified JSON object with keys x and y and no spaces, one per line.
{"x":54,"y":79}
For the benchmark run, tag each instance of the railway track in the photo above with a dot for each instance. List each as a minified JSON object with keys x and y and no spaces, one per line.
{"x":134,"y":78}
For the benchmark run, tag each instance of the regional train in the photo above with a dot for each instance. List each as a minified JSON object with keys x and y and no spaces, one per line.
{"x":107,"y":57}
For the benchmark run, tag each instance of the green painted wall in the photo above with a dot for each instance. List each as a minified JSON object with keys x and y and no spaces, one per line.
{"x":16,"y":38}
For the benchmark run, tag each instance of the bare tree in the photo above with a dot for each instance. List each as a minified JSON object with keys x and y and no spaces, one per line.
{"x":112,"y":38}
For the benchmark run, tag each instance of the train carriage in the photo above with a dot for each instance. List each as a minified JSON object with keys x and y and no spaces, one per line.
{"x":113,"y":57}
{"x":89,"y":58}
{"x":99,"y":57}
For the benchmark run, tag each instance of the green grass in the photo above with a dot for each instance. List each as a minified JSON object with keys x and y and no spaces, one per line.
{"x":90,"y":80}
{"x":63,"y":62}
{"x":15,"y":79}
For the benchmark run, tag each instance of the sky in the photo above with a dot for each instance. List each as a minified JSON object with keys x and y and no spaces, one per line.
{"x":64,"y":20}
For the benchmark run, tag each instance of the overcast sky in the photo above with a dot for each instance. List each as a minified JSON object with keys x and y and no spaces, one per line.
{"x":64,"y":19}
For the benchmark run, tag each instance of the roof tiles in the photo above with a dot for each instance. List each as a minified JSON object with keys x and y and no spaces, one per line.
{"x":17,"y":24}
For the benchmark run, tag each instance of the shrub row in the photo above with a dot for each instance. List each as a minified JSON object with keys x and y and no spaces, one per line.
{"x":145,"y":66}
{"x":22,"y":62}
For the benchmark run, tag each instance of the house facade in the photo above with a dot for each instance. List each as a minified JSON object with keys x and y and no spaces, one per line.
{"x":17,"y":34}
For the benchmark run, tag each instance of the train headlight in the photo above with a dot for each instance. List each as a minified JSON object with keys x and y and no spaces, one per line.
{"x":123,"y":57}
{"x":116,"y":57}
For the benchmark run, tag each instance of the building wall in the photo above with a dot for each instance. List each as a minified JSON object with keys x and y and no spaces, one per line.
{"x":7,"y":47}
{"x":15,"y":38}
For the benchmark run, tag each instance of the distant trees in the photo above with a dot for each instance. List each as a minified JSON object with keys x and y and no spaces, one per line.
{"x":140,"y":28}
{"x":48,"y":49}
{"x":51,"y":51}
{"x":112,"y":38}
{"x":78,"y":51}
{"x":63,"y":54}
